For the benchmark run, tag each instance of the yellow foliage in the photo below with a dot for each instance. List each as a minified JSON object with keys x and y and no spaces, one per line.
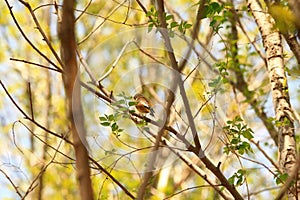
{"x":284,"y":18}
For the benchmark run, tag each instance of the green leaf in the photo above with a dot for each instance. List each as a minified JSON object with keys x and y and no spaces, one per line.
{"x":148,"y":14}
{"x":105,"y":124}
{"x":114,"y":127}
{"x":119,"y":102}
{"x":215,"y":7}
{"x":132,"y":103}
{"x":111,"y":117}
{"x":226,"y":150}
{"x":281,"y":178}
{"x":102,"y":118}
{"x":168,"y":17}
{"x":188,"y":26}
{"x":241,"y":151}
{"x":122,"y":109}
{"x":239,"y":181}
{"x":174,"y":24}
{"x":235,"y":141}
{"x":238,"y":119}
{"x":231,"y":179}
{"x":233,"y":130}
{"x":215,"y":82}
{"x":247,"y":134}
{"x":150,"y":27}
{"x":131,"y":111}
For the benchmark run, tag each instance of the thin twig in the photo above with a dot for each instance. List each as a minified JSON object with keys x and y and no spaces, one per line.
{"x":84,"y":10}
{"x":12,"y":183}
{"x":44,"y":142}
{"x":28,"y":117}
{"x":36,"y":64}
{"x":28,"y":40}
{"x":85,"y":66}
{"x":45,"y":38}
{"x":265,"y":154}
{"x":30,"y":101}
{"x":115,"y":62}
{"x":92,"y":14}
{"x":195,"y":32}
{"x":187,"y":189}
{"x":32,"y":186}
{"x":104,"y":20}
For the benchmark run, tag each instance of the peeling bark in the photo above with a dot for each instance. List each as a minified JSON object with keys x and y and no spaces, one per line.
{"x":281,"y":102}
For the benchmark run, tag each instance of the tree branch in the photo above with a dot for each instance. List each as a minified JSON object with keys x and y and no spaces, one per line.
{"x":73,"y":95}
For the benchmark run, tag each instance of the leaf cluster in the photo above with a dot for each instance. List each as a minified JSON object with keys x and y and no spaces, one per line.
{"x":238,"y":132}
{"x":122,"y":108}
{"x":213,"y":11}
{"x":172,"y":25}
{"x":238,"y":178}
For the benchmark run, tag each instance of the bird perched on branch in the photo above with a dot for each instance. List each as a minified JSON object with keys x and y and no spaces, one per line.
{"x":143,"y":105}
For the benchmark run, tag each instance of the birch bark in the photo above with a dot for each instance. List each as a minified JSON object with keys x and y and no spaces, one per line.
{"x":280,"y":94}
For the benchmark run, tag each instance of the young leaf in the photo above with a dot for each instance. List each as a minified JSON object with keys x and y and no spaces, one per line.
{"x":105,"y":124}
{"x":102,"y":118}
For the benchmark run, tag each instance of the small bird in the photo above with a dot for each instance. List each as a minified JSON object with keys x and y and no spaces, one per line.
{"x":143,"y":104}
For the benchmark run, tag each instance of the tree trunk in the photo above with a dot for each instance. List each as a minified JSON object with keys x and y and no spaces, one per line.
{"x":275,"y":65}
{"x":73,"y":95}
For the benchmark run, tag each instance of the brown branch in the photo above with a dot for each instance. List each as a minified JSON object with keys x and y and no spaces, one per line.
{"x":98,"y":26}
{"x":195,"y":32}
{"x":28,"y":117}
{"x":28,"y":40}
{"x":30,"y":101}
{"x":36,"y":64}
{"x":196,"y":150}
{"x":265,"y":154}
{"x":177,"y":78}
{"x":61,"y":137}
{"x":73,"y":94}
{"x":32,"y":186}
{"x":112,"y":178}
{"x":16,"y":188}
{"x":45,"y":38}
{"x":294,"y":45}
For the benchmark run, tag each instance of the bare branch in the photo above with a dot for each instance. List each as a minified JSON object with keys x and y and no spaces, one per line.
{"x":45,"y":38}
{"x":16,"y":188}
{"x":27,"y":39}
{"x":36,"y":64}
{"x":115,"y":62}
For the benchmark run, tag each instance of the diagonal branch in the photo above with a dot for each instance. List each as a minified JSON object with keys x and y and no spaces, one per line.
{"x":45,"y":38}
{"x":197,"y":149}
{"x":28,"y":40}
